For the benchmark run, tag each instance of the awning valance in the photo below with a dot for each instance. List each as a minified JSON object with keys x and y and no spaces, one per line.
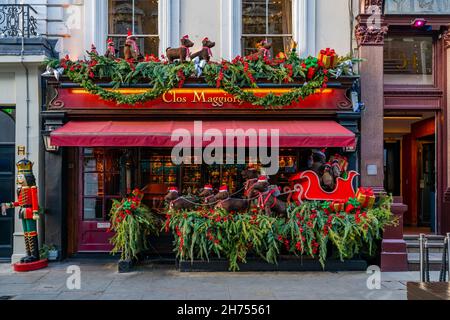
{"x":159,"y":133}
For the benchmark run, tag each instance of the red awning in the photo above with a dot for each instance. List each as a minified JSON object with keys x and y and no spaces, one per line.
{"x":159,"y":133}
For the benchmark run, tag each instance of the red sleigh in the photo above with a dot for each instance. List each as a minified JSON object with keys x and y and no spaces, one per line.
{"x":307,"y":186}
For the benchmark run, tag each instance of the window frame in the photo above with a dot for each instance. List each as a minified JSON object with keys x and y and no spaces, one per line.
{"x":114,"y":35}
{"x":437,"y":83}
{"x":266,"y":35}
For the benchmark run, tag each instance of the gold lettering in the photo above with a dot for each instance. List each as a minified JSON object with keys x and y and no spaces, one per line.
{"x":165,"y":99}
{"x":199,"y":97}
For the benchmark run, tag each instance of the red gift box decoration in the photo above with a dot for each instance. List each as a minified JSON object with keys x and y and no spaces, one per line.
{"x":328,"y":57}
{"x":366,"y":197}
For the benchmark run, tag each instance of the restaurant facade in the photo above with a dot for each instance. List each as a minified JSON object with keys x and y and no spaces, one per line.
{"x":98,"y":150}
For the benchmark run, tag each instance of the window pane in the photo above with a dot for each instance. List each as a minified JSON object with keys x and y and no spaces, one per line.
{"x":149,"y":45}
{"x":93,"y":209}
{"x":93,"y":184}
{"x":112,"y":184}
{"x":120,"y":16}
{"x":280,"y":15}
{"x":408,"y":60}
{"x":279,"y":44}
{"x":249,"y":44}
{"x":254,"y":17}
{"x":417,"y":6}
{"x":146,"y":17}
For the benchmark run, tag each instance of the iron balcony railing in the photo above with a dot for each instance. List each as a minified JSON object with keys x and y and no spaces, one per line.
{"x":17,"y":20}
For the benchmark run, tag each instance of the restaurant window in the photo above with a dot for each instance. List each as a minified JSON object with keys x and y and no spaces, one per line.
{"x":269,"y":20}
{"x":138,"y":16}
{"x":408,"y":60}
{"x":417,"y":6}
{"x":102,"y":181}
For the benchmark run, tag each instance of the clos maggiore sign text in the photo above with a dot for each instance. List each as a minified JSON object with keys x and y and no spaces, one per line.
{"x":196,"y":98}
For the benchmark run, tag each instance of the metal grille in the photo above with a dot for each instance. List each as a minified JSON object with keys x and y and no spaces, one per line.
{"x":16,"y":20}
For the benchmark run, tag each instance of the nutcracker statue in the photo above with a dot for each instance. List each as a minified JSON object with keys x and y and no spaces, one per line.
{"x":27,"y":201}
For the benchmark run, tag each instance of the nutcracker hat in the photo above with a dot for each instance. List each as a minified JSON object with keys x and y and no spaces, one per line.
{"x":223,"y":189}
{"x":173,"y":189}
{"x":110,"y":41}
{"x":208,"y":187}
{"x":24,"y":166}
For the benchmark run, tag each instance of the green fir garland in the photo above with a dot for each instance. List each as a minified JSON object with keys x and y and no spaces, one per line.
{"x":231,"y":76}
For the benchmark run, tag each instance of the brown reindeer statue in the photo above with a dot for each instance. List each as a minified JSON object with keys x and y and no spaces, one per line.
{"x":177,"y":202}
{"x":209,"y":198}
{"x":267,"y":197}
{"x":205,"y":53}
{"x":231,"y":204}
{"x":250,"y":175}
{"x":180,"y":53}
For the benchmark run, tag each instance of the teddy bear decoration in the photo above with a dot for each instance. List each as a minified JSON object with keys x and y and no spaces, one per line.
{"x":131,"y":49}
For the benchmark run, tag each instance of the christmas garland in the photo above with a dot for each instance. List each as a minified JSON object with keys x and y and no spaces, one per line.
{"x":307,"y":230}
{"x":231,"y":76}
{"x":131,"y":222}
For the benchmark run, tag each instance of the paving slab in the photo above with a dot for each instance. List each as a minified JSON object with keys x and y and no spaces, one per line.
{"x":101,"y":281}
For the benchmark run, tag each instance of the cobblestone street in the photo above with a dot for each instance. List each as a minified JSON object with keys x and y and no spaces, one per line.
{"x":100,"y":281}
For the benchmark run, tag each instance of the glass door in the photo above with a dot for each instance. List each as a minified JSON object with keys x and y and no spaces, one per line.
{"x":101,"y":183}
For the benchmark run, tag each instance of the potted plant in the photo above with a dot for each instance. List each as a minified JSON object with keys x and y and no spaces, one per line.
{"x":52,"y":253}
{"x":132,"y":222}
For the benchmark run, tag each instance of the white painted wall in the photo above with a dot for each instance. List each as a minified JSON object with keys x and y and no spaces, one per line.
{"x":13,"y":84}
{"x":78,"y":23}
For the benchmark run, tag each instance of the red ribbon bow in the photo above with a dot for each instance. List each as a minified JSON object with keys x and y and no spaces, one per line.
{"x":367,"y":191}
{"x":328,"y":52}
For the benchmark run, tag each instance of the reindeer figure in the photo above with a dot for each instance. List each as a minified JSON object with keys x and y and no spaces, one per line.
{"x":231,"y":204}
{"x":267,"y":197}
{"x":180,"y":53}
{"x":208,"y":196}
{"x":205,"y":53}
{"x":250,"y":176}
{"x":177,"y":202}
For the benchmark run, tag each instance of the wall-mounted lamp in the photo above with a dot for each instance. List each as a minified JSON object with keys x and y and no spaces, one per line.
{"x":419,"y":23}
{"x":49,"y":147}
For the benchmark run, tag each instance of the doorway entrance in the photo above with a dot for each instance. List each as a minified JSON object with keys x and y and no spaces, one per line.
{"x":7,"y":185}
{"x":410,"y":167}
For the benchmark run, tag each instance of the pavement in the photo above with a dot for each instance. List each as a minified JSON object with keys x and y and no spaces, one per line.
{"x":99,"y":280}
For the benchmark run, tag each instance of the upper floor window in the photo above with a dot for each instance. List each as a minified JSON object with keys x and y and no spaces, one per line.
{"x":417,"y":6}
{"x":138,"y":16}
{"x":269,"y":20}
{"x":408,"y":60}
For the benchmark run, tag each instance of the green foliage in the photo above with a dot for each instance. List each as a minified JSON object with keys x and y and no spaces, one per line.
{"x":308,"y":230}
{"x":237,"y":77}
{"x":132,"y":222}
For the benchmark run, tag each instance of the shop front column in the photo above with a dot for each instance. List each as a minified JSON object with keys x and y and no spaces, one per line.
{"x":370,"y":33}
{"x":55,"y":211}
{"x":444,"y":224}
